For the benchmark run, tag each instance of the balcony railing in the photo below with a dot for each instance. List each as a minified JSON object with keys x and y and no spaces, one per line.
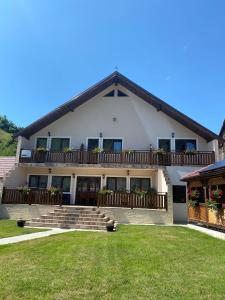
{"x":132,"y":200}
{"x":198,"y":158}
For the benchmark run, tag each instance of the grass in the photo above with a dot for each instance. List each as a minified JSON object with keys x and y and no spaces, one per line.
{"x":137,"y":262}
{"x":9,"y":228}
{"x":7,"y":145}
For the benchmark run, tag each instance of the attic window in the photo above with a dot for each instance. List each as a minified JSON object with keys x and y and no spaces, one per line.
{"x":110,"y":94}
{"x":121,"y":94}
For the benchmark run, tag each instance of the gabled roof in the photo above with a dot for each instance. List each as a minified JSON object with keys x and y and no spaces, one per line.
{"x":222,"y":130}
{"x":212,"y":170}
{"x":6,"y":164}
{"x":117,"y":78}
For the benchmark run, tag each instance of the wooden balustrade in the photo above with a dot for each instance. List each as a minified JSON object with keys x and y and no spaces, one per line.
{"x":132,"y":200}
{"x":15,"y":196}
{"x":132,"y":157}
{"x":206,"y":216}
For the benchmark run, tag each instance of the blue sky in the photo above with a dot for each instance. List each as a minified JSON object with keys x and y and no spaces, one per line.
{"x":51,"y":50}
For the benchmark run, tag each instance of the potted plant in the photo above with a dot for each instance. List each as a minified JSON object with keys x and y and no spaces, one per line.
{"x":216,"y":194}
{"x":213,"y":204}
{"x":110,"y":226}
{"x":105,"y":191}
{"x":53,"y":190}
{"x":24,"y":189}
{"x":67,"y":150}
{"x":160,"y":152}
{"x":190,"y":152}
{"x":128,"y":151}
{"x":194,"y":195}
{"x":193,"y":203}
{"x":140,"y":193}
{"x":21,"y":223}
{"x":97,"y":150}
{"x":41,"y":149}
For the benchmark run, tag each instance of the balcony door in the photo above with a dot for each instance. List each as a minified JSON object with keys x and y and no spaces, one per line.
{"x":87,"y":190}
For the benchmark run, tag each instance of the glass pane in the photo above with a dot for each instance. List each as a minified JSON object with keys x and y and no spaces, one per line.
{"x":56,"y":144}
{"x":56,"y":181}
{"x":33,"y":181}
{"x":117,"y":146}
{"x":66,"y":184}
{"x":164,"y":144}
{"x":182,"y":145}
{"x":65,"y":143}
{"x":145,"y":184}
{"x":43,"y":182}
{"x":111,"y":183}
{"x":41,"y":143}
{"x":108,"y":145}
{"x":92,"y":144}
{"x":134,"y":184}
{"x":121,"y":184}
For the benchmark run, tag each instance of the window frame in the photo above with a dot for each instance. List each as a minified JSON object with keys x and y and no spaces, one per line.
{"x":141,"y":177}
{"x":28,"y":180}
{"x":41,"y":137}
{"x":62,"y":175}
{"x":186,"y":138}
{"x":115,"y":177}
{"x":59,"y":137}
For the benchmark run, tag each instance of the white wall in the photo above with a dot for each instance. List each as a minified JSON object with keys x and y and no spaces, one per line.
{"x":137,"y":122}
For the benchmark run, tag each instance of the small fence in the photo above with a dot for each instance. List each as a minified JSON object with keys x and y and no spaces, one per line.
{"x":15,"y":196}
{"x":202,"y":214}
{"x":132,"y":200}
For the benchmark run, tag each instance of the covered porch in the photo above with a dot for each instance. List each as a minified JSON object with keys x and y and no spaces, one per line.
{"x":103,"y":187}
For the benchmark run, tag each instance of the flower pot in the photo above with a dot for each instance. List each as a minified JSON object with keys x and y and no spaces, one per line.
{"x":196,"y":204}
{"x":110,"y":227}
{"x":21,"y":223}
{"x":218,"y":205}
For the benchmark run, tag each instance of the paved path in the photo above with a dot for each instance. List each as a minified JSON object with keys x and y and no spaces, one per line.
{"x":213,"y":233}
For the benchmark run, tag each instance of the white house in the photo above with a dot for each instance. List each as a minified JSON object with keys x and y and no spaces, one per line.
{"x":118,"y":136}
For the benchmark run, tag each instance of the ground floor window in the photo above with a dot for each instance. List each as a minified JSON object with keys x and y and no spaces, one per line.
{"x":38,"y":181}
{"x":116,"y":183}
{"x":62,"y":183}
{"x":140,"y":184}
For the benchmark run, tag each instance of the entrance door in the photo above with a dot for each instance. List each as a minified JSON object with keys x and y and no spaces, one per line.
{"x":87,"y":190}
{"x":179,"y":204}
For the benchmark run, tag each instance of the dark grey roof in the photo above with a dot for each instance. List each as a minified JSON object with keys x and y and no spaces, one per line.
{"x":217,"y":165}
{"x":118,"y":78}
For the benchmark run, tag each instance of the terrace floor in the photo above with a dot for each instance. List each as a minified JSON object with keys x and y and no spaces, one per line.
{"x":136,"y":262}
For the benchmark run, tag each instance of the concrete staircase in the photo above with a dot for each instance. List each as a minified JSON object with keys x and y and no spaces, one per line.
{"x":73,"y":217}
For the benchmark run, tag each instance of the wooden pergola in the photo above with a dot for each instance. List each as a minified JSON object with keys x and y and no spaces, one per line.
{"x":206,"y":182}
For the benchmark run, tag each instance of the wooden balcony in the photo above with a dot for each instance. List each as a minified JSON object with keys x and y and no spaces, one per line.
{"x":132,"y":200}
{"x":198,"y":158}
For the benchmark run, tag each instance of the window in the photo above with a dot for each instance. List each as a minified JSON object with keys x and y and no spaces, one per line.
{"x":110,"y":94}
{"x":62,"y":183}
{"x":38,"y":181}
{"x":121,"y":94}
{"x":116,"y":183}
{"x":164,"y":144}
{"x":92,"y":144}
{"x":41,"y":143}
{"x":59,"y":144}
{"x":140,"y":183}
{"x":183,"y":144}
{"x":179,"y":193}
{"x":112,"y":145}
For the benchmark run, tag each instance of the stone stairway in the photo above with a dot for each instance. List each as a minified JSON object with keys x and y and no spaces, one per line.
{"x":73,"y":217}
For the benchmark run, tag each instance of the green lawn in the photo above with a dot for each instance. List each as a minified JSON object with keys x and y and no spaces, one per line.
{"x":9,"y":228}
{"x":137,"y":262}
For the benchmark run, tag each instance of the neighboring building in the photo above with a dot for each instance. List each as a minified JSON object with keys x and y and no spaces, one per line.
{"x":7,"y":163}
{"x":209,"y":182}
{"x":64,"y":149}
{"x":222,"y":143}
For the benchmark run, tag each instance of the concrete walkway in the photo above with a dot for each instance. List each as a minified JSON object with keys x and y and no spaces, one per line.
{"x":213,"y":233}
{"x":32,"y":236}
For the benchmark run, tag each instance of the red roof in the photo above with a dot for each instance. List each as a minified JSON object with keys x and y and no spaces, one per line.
{"x":6,"y":164}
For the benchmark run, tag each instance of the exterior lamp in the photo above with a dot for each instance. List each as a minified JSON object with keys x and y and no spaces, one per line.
{"x":49,"y":171}
{"x":73,"y":175}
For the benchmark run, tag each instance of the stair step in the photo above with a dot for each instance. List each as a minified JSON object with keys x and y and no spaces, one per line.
{"x":74,"y":226}
{"x":53,"y":217}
